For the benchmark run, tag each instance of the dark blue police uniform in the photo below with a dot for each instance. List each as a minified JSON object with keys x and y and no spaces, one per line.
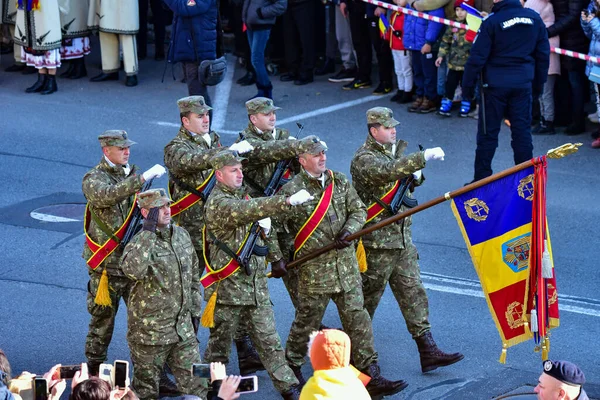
{"x":511,"y":54}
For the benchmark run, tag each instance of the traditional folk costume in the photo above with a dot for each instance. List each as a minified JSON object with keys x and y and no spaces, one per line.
{"x":9,"y":17}
{"x":76,"y":41}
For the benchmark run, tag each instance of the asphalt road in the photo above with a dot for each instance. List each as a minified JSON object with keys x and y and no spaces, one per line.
{"x":49,"y":142}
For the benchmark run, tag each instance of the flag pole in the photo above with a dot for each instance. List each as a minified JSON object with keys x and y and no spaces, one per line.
{"x":558,"y":152}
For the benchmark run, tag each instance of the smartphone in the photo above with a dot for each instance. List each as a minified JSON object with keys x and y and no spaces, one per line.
{"x":121,"y":371}
{"x":40,"y":389}
{"x":68,"y":371}
{"x":201,"y":370}
{"x":248,"y":384}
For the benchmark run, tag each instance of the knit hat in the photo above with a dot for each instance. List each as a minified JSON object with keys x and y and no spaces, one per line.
{"x":458,"y":3}
{"x":329,"y":349}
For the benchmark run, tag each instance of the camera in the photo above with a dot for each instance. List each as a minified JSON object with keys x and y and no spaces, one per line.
{"x":40,"y":389}
{"x":248,"y":384}
{"x":68,"y":371}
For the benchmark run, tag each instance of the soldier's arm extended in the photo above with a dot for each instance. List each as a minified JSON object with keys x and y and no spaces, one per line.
{"x":137,"y":255}
{"x":266,"y":152}
{"x":102,"y":194}
{"x":229,"y":213}
{"x":357,"y":211}
{"x":181,"y":160}
{"x":378,"y":171}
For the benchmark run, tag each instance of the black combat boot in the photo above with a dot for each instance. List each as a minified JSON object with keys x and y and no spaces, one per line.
{"x":298,"y":372}
{"x":248,"y":359}
{"x":50,"y":86}
{"x":93,"y":368}
{"x":166,"y":387}
{"x":431,"y":356}
{"x":292,"y":394}
{"x":38,"y":85}
{"x":378,"y":386}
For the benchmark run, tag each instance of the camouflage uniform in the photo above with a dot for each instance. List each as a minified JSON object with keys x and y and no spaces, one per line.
{"x":164,"y":298}
{"x":455,"y":48}
{"x":391,"y":254}
{"x":331,"y":276}
{"x":109,"y":191}
{"x":241,"y":297}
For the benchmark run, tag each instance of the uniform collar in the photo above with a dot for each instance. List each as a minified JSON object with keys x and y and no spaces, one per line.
{"x":197,"y":138}
{"x":239,"y":193}
{"x":264,"y":135}
{"x":165,"y":233}
{"x":311,"y":180}
{"x":114,"y":169}
{"x":385,"y":149}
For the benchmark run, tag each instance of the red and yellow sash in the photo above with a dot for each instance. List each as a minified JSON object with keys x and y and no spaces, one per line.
{"x":315,"y":218}
{"x":189,"y":199}
{"x":375,"y":209}
{"x":229,"y":269}
{"x":101,"y":252}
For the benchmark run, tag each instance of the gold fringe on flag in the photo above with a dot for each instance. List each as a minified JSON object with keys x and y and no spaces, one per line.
{"x":361,"y":256}
{"x":102,"y":294}
{"x":502,"y":359}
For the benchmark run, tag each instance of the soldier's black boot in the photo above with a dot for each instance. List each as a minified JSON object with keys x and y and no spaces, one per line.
{"x":431,"y":356}
{"x":37,"y":86}
{"x":93,"y":368}
{"x":166,"y":387}
{"x":248,"y":359}
{"x":379,"y":386}
{"x":292,"y":394}
{"x":50,"y":86}
{"x":298,"y":372}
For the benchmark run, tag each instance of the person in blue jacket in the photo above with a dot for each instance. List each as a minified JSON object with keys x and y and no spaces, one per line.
{"x":511,"y":54}
{"x":193,"y":39}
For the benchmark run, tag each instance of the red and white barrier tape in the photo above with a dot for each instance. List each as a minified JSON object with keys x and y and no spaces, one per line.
{"x":448,"y":22}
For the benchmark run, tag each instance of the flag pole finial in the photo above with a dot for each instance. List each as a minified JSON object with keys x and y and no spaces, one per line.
{"x":564,"y":150}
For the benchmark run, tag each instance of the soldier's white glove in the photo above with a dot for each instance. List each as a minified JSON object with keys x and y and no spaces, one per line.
{"x":241,"y":147}
{"x":434,"y":154}
{"x":155,"y":172}
{"x":417,"y":175}
{"x":300,"y":197}
{"x":265,"y":224}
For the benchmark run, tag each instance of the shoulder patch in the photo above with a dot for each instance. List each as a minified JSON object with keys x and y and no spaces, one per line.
{"x":509,"y":23}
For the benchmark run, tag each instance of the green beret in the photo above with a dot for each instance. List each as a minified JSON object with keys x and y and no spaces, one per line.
{"x":226,"y":158}
{"x":260,"y":105}
{"x":381,"y":115}
{"x":115,"y":137}
{"x":195,"y":104}
{"x":153,"y":198}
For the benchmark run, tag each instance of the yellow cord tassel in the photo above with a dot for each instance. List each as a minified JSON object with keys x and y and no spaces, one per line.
{"x":208,"y":316}
{"x":502,"y":359}
{"x":545,"y":348}
{"x":102,"y":294}
{"x":361,"y":256}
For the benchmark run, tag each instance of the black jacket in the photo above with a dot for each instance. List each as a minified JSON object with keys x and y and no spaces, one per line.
{"x":262,"y":13}
{"x":567,"y":14}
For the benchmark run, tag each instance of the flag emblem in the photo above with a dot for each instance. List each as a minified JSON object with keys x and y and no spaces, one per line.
{"x":516,"y":252}
{"x":477,"y":209}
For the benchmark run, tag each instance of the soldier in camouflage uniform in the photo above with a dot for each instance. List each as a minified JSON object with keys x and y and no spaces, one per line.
{"x":391,"y":255}
{"x":164,"y":303}
{"x":244,"y":294}
{"x":109,"y":189}
{"x":333,"y":275}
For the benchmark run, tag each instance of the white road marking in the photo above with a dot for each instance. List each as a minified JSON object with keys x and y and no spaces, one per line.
{"x":51,"y":218}
{"x":221,"y":101}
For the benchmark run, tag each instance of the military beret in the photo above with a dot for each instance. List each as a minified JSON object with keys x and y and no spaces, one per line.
{"x":195,"y":104}
{"x":226,"y":158}
{"x":115,"y":137}
{"x":565,"y":372}
{"x":381,"y":115}
{"x":315,"y":147}
{"x":153,"y":198}
{"x":260,"y":105}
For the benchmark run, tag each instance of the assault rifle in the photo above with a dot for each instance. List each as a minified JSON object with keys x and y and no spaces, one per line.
{"x":136,"y":219}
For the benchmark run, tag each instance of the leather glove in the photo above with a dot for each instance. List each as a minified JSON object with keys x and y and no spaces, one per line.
{"x":300,"y":197}
{"x":151,"y":220}
{"x":196,"y":324}
{"x":155,"y":172}
{"x":241,"y":147}
{"x":278,"y":269}
{"x":434,"y":154}
{"x":340,"y":240}
{"x":265,"y":224}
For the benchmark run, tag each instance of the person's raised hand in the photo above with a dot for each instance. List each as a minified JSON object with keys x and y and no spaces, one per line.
{"x":155,"y":172}
{"x":217,"y":371}
{"x":228,"y":387}
{"x":299,"y":197}
{"x":151,"y":220}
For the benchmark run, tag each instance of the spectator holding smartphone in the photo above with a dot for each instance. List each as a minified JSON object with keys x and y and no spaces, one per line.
{"x":224,"y":385}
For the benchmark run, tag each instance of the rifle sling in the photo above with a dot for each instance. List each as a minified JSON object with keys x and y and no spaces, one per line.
{"x":185,"y":186}
{"x":222,"y":246}
{"x":253,"y":184}
{"x":103,"y":227}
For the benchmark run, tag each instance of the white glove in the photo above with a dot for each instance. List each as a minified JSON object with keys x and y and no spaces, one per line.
{"x":265,"y":224}
{"x":155,"y":172}
{"x":241,"y":147}
{"x":417,"y":175}
{"x":434,"y":154}
{"x":300,"y":197}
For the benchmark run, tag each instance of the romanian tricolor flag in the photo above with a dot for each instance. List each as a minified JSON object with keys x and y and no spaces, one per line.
{"x":384,"y":25}
{"x":504,"y":227}
{"x":474,"y":20}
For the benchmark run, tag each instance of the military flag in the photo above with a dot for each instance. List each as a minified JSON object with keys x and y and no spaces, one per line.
{"x":504,"y":226}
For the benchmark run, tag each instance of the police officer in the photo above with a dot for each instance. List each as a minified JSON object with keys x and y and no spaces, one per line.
{"x":561,"y":380}
{"x":511,"y":52}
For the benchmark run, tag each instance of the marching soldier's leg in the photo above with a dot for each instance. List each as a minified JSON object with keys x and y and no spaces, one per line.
{"x":291,"y":284}
{"x":109,"y":51}
{"x":147,"y":361}
{"x":130,"y":59}
{"x":227,"y":319}
{"x":409,"y":291}
{"x":102,"y":321}
{"x":248,"y":358}
{"x":268,"y":343}
{"x":375,"y":278}
{"x":180,"y":360}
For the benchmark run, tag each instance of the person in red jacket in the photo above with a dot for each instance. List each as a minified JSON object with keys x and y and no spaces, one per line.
{"x":402,"y":58}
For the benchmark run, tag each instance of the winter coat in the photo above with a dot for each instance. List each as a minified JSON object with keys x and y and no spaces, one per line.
{"x":114,"y":16}
{"x":592,"y":31}
{"x":418,"y":31}
{"x":546,"y":11}
{"x":256,"y":13}
{"x":194,"y":30}
{"x":39,"y":30}
{"x":567,"y":14}
{"x":455,"y":48}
